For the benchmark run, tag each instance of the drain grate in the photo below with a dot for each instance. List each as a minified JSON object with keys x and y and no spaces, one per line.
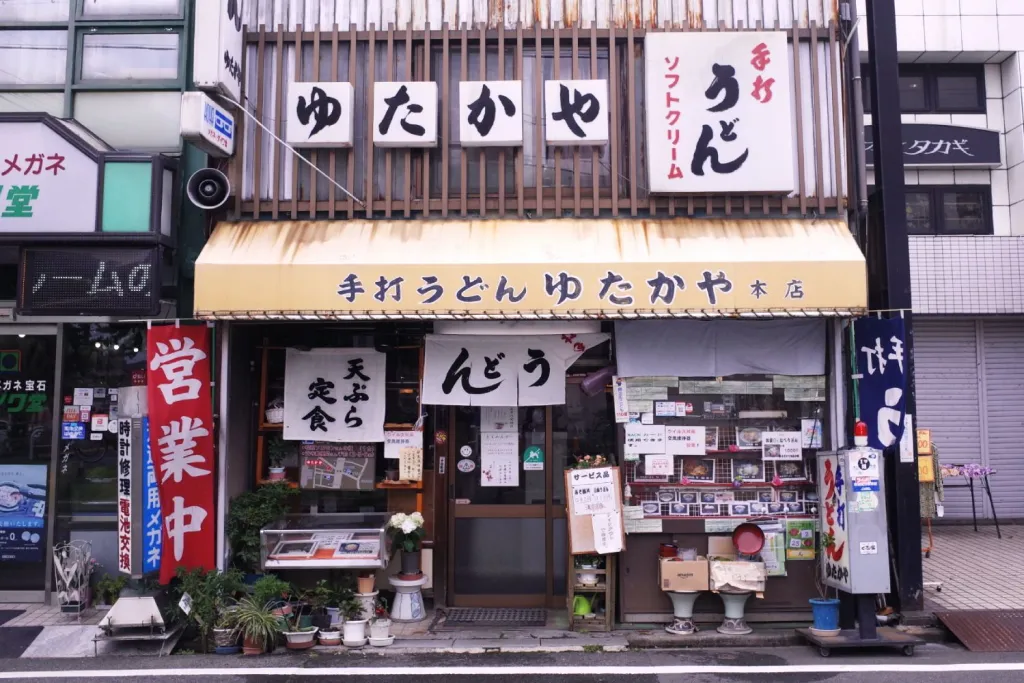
{"x":987,"y":630}
{"x":479,"y":616}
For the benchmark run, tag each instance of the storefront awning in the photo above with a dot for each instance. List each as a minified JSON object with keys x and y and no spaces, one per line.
{"x":368,"y":270}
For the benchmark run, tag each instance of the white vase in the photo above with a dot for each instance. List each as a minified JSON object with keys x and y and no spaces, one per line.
{"x":354,"y":632}
{"x":587,"y":578}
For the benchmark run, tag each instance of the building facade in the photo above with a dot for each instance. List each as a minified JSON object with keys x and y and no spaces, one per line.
{"x":960,"y":82}
{"x":94,"y":241}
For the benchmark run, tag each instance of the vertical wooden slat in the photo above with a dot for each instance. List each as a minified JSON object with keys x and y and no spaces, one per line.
{"x":575,"y":148}
{"x":389,"y":75}
{"x":444,"y":119}
{"x":313,"y":175}
{"x":238,"y":162}
{"x":483,"y":150}
{"x":631,"y":108}
{"x":408,"y":152}
{"x":614,"y":138}
{"x":501,"y":151}
{"x":261,"y":79}
{"x":595,"y":153}
{"x":835,"y":63}
{"x":353,"y":47}
{"x":442,"y":135}
{"x":819,"y":148}
{"x":538,"y":117}
{"x":464,"y":162}
{"x":371,"y":77}
{"x":332,"y":155}
{"x":275,"y":191}
{"x":294,"y":158}
{"x":797,"y":86}
{"x":556,"y":74}
{"x":520,"y":152}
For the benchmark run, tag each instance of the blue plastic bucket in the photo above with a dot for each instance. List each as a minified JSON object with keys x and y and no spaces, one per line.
{"x":826,"y":613}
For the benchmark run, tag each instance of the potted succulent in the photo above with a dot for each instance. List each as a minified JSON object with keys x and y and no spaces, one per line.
{"x":257,"y":626}
{"x":407,"y":533}
{"x":355,"y":625}
{"x":380,"y":626}
{"x":277,"y":451}
{"x":586,"y":566}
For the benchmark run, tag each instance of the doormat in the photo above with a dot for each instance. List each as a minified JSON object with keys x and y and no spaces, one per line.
{"x":987,"y":630}
{"x":458,"y":617}
{"x":16,"y":639}
{"x":8,"y":614}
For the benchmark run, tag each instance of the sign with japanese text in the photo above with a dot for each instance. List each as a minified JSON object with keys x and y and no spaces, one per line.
{"x":835,"y":556}
{"x":928,"y":145}
{"x":644,"y":439}
{"x":576,"y":112}
{"x":500,"y":370}
{"x":683,"y":440}
{"x":218,"y":44}
{"x":719,"y":112}
{"x":319,"y":115}
{"x":491,"y":113}
{"x":405,"y":114}
{"x":181,"y":437}
{"x":152,"y":520}
{"x":881,"y":382}
{"x":207,"y":125}
{"x":334,"y":395}
{"x":592,"y":497}
{"x":782,"y":446}
{"x":395,"y":441}
{"x":22,"y":513}
{"x":124,"y":496}
{"x":47,"y":184}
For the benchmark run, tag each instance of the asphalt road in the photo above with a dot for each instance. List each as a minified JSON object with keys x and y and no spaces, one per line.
{"x":931,"y":664}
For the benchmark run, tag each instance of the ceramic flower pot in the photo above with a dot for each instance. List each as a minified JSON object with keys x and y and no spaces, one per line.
{"x":380,"y":629}
{"x":251,"y":647}
{"x":225,"y":637}
{"x":587,"y":578}
{"x":300,"y":640}
{"x":330,"y":637}
{"x":354,"y":632}
{"x":365,"y":583}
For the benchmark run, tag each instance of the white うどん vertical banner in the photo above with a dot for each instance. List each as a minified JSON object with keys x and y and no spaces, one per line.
{"x":334,"y":395}
{"x":500,"y":370}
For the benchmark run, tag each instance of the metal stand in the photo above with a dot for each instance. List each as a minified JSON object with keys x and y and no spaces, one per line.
{"x":867,"y":633}
{"x":974,"y":510}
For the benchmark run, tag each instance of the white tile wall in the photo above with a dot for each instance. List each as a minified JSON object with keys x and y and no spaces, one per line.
{"x":946,"y":273}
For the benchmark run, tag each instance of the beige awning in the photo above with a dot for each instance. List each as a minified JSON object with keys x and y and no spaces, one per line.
{"x":529,"y":269}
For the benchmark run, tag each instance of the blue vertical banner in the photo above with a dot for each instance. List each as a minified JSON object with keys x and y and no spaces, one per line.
{"x":881,"y":378}
{"x":152,"y":538}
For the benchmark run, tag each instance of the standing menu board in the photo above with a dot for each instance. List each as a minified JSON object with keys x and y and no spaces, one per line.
{"x":594,"y":503}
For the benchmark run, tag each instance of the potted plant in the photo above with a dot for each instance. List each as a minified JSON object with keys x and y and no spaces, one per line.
{"x":225,"y":632}
{"x":380,"y":626}
{"x":108,"y":589}
{"x":340,"y":594}
{"x":407,"y":533}
{"x":277,"y":451}
{"x":316,"y":600}
{"x":248,"y":514}
{"x":355,"y":625}
{"x":212,"y":593}
{"x":257,"y":626}
{"x":273,"y":592}
{"x":824,"y":609}
{"x":366,"y":582}
{"x":329,"y":636}
{"x":297,"y":635}
{"x":586,"y":566}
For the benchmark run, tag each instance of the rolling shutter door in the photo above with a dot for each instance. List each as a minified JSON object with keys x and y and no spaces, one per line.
{"x":1004,"y":402}
{"x":946,"y":369}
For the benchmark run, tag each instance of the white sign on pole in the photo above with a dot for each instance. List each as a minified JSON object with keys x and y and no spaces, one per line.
{"x":217,"y":55}
{"x":47,"y":184}
{"x":319,"y":115}
{"x":681,"y":440}
{"x":719,"y":112}
{"x":395,"y":441}
{"x":207,"y":125}
{"x":491,"y":113}
{"x":643,"y":439}
{"x":576,"y":112}
{"x":334,"y":395}
{"x":405,"y":114}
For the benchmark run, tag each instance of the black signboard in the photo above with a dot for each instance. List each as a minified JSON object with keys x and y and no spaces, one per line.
{"x":89,"y":281}
{"x":931,"y":144}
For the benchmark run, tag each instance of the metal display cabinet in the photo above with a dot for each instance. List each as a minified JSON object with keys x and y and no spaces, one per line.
{"x":331,"y":541}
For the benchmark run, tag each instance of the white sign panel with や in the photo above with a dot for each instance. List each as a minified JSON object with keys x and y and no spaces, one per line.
{"x":592,"y":495}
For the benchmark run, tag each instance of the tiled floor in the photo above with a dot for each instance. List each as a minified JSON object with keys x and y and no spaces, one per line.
{"x":977,"y":569}
{"x":45,"y":615}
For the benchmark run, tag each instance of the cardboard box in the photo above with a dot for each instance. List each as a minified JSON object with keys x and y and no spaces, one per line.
{"x":683,"y":575}
{"x":721,"y":546}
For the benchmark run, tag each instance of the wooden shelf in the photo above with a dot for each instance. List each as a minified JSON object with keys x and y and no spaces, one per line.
{"x":711,"y":484}
{"x":400,"y":485}
{"x":272,"y":427}
{"x":291,"y":484}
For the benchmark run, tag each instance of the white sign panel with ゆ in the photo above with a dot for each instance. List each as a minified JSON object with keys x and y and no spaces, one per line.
{"x":319,"y":115}
{"x":719,"y":112}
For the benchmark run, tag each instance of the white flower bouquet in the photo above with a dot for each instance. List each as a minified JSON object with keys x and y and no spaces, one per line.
{"x":406,"y":531}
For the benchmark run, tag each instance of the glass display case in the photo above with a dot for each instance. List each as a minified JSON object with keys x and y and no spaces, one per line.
{"x":333,"y":541}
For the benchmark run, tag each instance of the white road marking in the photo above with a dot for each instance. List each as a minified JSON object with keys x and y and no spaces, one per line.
{"x":822,"y":668}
